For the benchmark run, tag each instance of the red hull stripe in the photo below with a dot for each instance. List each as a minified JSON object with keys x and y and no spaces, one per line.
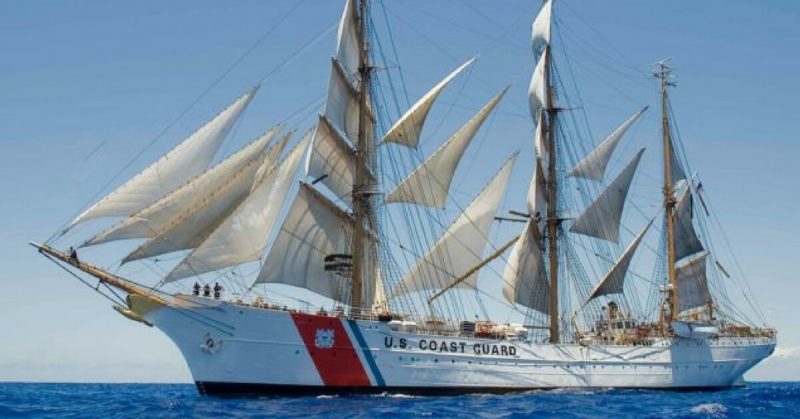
{"x":331,"y":350}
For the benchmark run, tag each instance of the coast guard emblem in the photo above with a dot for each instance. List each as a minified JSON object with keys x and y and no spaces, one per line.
{"x":324,"y":338}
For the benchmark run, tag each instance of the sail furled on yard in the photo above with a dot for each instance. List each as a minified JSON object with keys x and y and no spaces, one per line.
{"x":692,"y":282}
{"x":241,"y":237}
{"x":525,"y":281}
{"x":187,"y":160}
{"x":593,"y":166}
{"x":686,"y":241}
{"x":192,"y":226}
{"x":407,"y":129}
{"x":540,"y":29}
{"x":156,"y":216}
{"x":429,"y":183}
{"x":614,"y":280}
{"x":332,"y":160}
{"x":462,"y":245}
{"x":313,"y":229}
{"x":601,"y":219}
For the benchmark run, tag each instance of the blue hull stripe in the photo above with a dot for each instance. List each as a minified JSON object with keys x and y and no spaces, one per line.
{"x":367,"y":353}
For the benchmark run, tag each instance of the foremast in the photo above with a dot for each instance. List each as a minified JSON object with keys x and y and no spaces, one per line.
{"x":363,"y":211}
{"x":552,"y":199}
{"x":662,"y":72}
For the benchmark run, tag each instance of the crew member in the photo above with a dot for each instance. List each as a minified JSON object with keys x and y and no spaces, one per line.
{"x":73,"y":255}
{"x":206,"y":291}
{"x":196,"y":289}
{"x":217,"y":290}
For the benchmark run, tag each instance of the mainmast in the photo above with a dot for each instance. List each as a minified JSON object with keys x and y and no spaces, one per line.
{"x":662,"y":72}
{"x":362,"y":210}
{"x":552,"y":201}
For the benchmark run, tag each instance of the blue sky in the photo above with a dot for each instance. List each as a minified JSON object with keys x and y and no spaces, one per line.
{"x":85,"y":85}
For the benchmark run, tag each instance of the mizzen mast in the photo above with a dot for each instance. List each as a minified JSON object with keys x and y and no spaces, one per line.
{"x":663,"y":71}
{"x":363,"y":211}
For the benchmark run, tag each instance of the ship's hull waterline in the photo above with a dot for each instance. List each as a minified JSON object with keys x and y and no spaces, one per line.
{"x":235,"y":350}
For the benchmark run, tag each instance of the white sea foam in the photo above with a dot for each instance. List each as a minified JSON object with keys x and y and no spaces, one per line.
{"x":711,"y":409}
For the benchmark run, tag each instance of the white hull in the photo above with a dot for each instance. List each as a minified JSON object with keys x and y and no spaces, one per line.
{"x":239,"y":349}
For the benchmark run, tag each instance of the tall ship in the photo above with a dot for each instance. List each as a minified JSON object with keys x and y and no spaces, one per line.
{"x":325,"y":262}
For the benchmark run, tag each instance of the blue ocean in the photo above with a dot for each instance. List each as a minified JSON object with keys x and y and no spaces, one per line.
{"x":757,"y":400}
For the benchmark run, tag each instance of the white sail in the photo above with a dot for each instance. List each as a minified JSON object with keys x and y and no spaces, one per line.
{"x":407,"y":129}
{"x":537,"y":92}
{"x":342,"y":106}
{"x":686,"y":241}
{"x":271,"y":159}
{"x":540,"y":29}
{"x":602,"y":218}
{"x":540,"y":141}
{"x":462,"y":245}
{"x":242,"y":236}
{"x":614,"y":280}
{"x":187,"y":160}
{"x":348,"y":42}
{"x":677,"y":172}
{"x":429,"y":183}
{"x":524,"y":279}
{"x":313,"y":229}
{"x":537,"y":196}
{"x":156,"y":216}
{"x":692,"y":283}
{"x":192,"y":226}
{"x":332,"y":160}
{"x":593,"y":166}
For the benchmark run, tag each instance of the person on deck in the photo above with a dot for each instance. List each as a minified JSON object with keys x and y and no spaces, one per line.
{"x":206,"y":291}
{"x":217,"y":290}
{"x":196,"y":289}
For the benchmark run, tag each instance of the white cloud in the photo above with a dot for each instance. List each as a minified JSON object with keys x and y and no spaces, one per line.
{"x":782,"y":365}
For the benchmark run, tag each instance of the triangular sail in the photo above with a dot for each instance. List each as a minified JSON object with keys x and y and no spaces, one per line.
{"x":686,"y":241}
{"x":407,"y":129}
{"x":192,"y":226}
{"x":156,"y":216}
{"x":692,"y":283}
{"x":429,"y":183}
{"x":463,"y":244}
{"x":313,"y":229}
{"x":242,"y":236}
{"x":537,"y":92}
{"x":332,"y":160}
{"x":603,"y":216}
{"x":187,"y":160}
{"x":524,"y":279}
{"x":540,"y":29}
{"x":614,"y":280}
{"x":593,"y":166}
{"x":677,"y":171}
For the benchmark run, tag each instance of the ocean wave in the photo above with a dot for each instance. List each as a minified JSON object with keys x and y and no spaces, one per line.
{"x":711,"y":409}
{"x":179,"y":401}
